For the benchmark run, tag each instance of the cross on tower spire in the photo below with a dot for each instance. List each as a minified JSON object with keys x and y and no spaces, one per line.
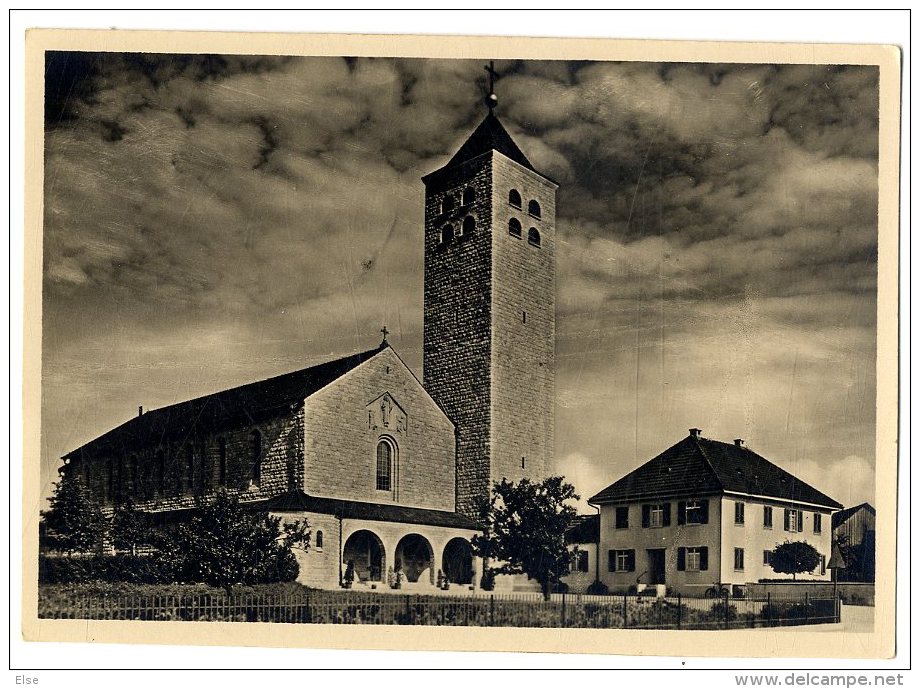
{"x":491,"y":98}
{"x":385,"y":333}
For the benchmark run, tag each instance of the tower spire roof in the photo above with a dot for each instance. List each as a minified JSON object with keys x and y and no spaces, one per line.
{"x":490,"y":135}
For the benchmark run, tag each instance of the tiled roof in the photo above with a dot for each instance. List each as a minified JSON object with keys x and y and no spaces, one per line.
{"x":246,"y":403}
{"x":699,"y":466}
{"x":299,"y":501}
{"x":841,"y":516}
{"x":490,"y":135}
{"x":585,"y":529}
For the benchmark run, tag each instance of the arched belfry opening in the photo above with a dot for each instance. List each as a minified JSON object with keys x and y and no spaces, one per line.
{"x":457,"y":562}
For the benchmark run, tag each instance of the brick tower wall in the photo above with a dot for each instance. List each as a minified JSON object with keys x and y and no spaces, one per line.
{"x":523,"y":326}
{"x":457,"y":342}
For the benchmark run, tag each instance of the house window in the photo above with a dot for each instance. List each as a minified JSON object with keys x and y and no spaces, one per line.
{"x":319,"y":540}
{"x":817,"y":522}
{"x":739,"y":512}
{"x":447,"y":234}
{"x":447,"y":204}
{"x":693,"y":559}
{"x":656,"y":516}
{"x":792,"y":520}
{"x":514,"y":228}
{"x":255,"y":445}
{"x":693,"y":512}
{"x":533,"y":208}
{"x":533,"y":237}
{"x":514,"y":198}
{"x":767,"y":517}
{"x":581,"y":561}
{"x":739,"y":559}
{"x":386,"y":452}
{"x":621,"y":560}
{"x":469,"y":224}
{"x":469,"y":195}
{"x":222,"y":462}
{"x":622,"y":517}
{"x":767,"y":557}
{"x":822,"y":566}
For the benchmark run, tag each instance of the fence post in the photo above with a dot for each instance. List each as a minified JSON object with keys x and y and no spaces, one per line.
{"x":563,"y":609}
{"x":492,"y":610}
{"x":806,"y":607}
{"x":678,"y":611}
{"x":725,"y":604}
{"x":625,"y":621}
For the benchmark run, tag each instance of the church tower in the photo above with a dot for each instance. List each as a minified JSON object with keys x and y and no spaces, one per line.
{"x":489,"y":332}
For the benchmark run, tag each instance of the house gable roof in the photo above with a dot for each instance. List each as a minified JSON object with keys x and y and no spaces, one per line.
{"x":248,"y":403}
{"x":841,"y":516}
{"x":700,"y":466}
{"x":586,"y":528}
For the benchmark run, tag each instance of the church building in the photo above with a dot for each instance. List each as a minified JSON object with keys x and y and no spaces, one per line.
{"x":386,"y":468}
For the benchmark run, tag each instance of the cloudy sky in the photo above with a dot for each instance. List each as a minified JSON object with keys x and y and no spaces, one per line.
{"x":210,"y":221}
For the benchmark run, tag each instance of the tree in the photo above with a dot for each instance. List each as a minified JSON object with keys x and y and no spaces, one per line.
{"x":794,"y":557}
{"x":74,"y":523}
{"x":524,"y":530}
{"x":224,"y":544}
{"x":131,"y":528}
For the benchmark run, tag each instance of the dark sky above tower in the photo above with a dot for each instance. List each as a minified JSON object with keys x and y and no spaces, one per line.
{"x":211,"y":220}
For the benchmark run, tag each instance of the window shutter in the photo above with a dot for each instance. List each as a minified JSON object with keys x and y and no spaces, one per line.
{"x":704,"y":559}
{"x":611,"y":560}
{"x":631,"y":560}
{"x":646,"y":516}
{"x":681,"y":512}
{"x":666,"y":519}
{"x":798,"y":518}
{"x":681,"y":559}
{"x":704,"y":511}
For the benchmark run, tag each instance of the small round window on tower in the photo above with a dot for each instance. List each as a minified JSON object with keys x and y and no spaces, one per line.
{"x":447,"y":234}
{"x":469,"y":195}
{"x":533,"y":237}
{"x":447,"y":204}
{"x":514,"y":227}
{"x":514,"y":198}
{"x":469,"y":224}
{"x":533,"y":208}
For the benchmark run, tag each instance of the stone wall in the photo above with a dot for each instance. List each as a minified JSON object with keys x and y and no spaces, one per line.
{"x":344,"y":424}
{"x":457,"y":326}
{"x":172,"y":475}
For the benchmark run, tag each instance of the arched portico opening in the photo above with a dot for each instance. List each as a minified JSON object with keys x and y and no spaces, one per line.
{"x":365,"y":549}
{"x":415,"y":558}
{"x":457,"y":563}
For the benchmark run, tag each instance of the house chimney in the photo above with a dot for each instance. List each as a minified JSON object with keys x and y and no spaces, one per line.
{"x":140,"y":411}
{"x":739,"y":442}
{"x":695,"y":432}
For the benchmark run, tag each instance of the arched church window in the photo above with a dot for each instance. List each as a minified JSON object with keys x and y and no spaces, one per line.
{"x":386,"y":455}
{"x":319,"y":540}
{"x":447,"y":204}
{"x":533,"y":237}
{"x":447,"y":234}
{"x":514,"y":228}
{"x":469,"y":224}
{"x":533,"y":208}
{"x":255,"y":445}
{"x":469,"y":195}
{"x":514,"y":198}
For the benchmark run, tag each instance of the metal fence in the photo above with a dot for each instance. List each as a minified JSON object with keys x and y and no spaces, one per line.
{"x":485,"y":610}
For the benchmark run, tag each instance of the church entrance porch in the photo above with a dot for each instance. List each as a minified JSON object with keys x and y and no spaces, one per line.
{"x":415,"y":559}
{"x":365,"y":550}
{"x":457,"y":563}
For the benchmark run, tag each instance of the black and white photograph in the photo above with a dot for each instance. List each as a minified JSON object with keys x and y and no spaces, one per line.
{"x":474,"y":341}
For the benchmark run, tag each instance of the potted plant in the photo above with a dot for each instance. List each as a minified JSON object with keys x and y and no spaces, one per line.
{"x":349,"y":578}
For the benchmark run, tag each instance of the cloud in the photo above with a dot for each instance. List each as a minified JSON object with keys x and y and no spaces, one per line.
{"x":215,"y":219}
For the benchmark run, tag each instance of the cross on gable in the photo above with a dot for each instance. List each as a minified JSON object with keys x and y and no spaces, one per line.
{"x":385,"y":333}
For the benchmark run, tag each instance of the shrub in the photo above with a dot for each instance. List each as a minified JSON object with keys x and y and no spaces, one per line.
{"x":598,"y":588}
{"x":139,"y":569}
